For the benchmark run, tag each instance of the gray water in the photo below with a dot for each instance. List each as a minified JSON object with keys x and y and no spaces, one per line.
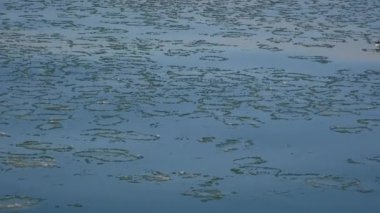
{"x":189,"y":106}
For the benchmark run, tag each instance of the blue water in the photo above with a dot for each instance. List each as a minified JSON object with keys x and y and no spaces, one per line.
{"x":189,"y":106}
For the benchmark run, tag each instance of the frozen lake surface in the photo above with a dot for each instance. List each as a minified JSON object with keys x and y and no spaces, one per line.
{"x":189,"y":106}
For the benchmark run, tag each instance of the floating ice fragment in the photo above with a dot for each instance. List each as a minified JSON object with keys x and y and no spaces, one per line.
{"x":27,"y":160}
{"x":50,"y":125}
{"x":213,"y":58}
{"x":4,"y":134}
{"x":246,"y":161}
{"x":108,"y":155}
{"x":211,"y":182}
{"x":204,"y":194}
{"x":351,"y":161}
{"x":349,"y":129}
{"x":44,"y":146}
{"x":155,"y":176}
{"x":15,"y":202}
{"x":187,"y":175}
{"x":374,"y":158}
{"x":332,"y":182}
{"x":76,"y":205}
{"x":206,"y":139}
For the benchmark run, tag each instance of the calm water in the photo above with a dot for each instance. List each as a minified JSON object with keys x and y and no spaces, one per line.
{"x":189,"y":106}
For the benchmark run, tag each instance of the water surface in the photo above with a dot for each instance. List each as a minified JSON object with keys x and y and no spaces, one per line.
{"x":210,"y":106}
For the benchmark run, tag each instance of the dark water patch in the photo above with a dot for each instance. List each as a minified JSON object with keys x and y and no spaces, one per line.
{"x":233,"y":97}
{"x":234,"y":144}
{"x":349,"y":129}
{"x":108,"y":120}
{"x":269,"y":47}
{"x":377,"y":180}
{"x":257,"y":170}
{"x":297,"y":176}
{"x":18,"y":113}
{"x":50,"y":125}
{"x":179,"y":52}
{"x":51,"y":119}
{"x":375,"y":51}
{"x":369,"y":122}
{"x":233,"y":34}
{"x":113,"y":135}
{"x":211,"y":182}
{"x":207,"y":139}
{"x":52,"y":106}
{"x":319,"y":59}
{"x":213,"y":58}
{"x":284,"y":33}
{"x":311,"y":45}
{"x":326,"y":182}
{"x":248,"y":161}
{"x":205,"y":190}
{"x":139,"y":136}
{"x":90,"y":90}
{"x":234,"y":120}
{"x":108,"y":155}
{"x":279,"y":40}
{"x":205,"y":43}
{"x":75,"y":205}
{"x":351,"y":161}
{"x":252,"y":166}
{"x":102,"y":105}
{"x":374,"y":158}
